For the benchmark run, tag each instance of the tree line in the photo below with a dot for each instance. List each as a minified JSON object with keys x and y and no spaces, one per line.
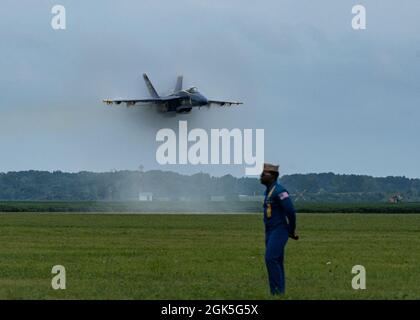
{"x":167,"y":185}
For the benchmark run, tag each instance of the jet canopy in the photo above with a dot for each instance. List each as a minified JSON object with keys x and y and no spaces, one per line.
{"x":192,"y":90}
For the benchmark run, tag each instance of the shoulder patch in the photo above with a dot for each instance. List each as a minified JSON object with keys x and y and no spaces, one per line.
{"x":283,"y":195}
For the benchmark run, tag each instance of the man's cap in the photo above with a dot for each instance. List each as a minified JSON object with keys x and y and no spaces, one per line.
{"x":271,"y":167}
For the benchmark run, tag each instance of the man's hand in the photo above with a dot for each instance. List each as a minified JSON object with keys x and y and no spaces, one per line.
{"x":294,"y":236}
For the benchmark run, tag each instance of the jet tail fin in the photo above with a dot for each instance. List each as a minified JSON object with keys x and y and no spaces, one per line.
{"x":150,"y":87}
{"x":178,"y":86}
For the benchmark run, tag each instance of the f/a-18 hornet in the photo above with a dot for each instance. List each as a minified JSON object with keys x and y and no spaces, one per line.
{"x":180,"y":101}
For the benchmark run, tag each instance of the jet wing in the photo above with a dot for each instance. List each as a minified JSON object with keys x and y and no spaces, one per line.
{"x":132,"y":102}
{"x":224,"y":103}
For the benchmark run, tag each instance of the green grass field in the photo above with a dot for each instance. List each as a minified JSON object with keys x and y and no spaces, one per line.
{"x":205,"y":256}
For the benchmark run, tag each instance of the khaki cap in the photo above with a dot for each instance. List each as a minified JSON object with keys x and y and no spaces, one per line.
{"x":271,"y":167}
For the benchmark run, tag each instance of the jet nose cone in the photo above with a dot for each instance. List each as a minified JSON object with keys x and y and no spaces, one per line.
{"x":204,"y":101}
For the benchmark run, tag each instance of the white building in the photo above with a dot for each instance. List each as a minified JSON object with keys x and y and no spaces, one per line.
{"x":145,"y":196}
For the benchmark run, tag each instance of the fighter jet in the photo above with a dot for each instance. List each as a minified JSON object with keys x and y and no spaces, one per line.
{"x":180,"y":101}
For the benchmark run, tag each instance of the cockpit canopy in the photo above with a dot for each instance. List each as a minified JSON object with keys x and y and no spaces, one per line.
{"x":192,"y":90}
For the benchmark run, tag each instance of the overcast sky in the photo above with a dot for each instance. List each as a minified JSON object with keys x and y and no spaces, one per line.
{"x":331,"y":99}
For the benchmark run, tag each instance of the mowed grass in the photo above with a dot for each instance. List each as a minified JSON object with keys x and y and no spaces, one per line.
{"x":205,"y":256}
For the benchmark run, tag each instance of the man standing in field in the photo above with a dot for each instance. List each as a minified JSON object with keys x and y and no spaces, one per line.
{"x":280,"y":224}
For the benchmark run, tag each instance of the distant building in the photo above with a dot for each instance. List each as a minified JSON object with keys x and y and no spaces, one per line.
{"x":395,"y":198}
{"x":145,"y":196}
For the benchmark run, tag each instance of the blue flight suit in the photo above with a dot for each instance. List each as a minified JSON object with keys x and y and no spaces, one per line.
{"x":280,"y":221}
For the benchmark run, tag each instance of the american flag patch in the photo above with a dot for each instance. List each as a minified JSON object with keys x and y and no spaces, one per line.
{"x":283,"y":195}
